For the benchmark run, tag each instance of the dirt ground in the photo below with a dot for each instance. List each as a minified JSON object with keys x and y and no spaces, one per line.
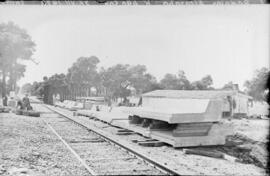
{"x":28,"y":147}
{"x":249,"y":141}
{"x":255,"y":129}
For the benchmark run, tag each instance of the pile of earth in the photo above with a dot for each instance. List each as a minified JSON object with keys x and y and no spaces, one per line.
{"x":246,"y":150}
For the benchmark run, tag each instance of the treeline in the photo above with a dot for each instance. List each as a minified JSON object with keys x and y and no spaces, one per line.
{"x":121,"y":80}
{"x":16,"y":46}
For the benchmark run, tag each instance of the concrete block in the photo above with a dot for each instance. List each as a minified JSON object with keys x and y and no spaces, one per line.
{"x":206,"y":111}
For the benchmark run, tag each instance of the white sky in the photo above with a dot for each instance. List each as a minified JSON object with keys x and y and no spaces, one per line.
{"x":227,"y":42}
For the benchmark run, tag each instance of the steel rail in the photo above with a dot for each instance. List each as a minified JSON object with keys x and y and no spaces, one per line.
{"x":106,"y":136}
{"x":71,"y":150}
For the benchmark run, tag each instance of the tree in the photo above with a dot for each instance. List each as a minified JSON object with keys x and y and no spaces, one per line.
{"x":228,"y":86}
{"x":140,"y":79}
{"x":175,"y":82}
{"x":58,"y":84}
{"x":256,"y":87}
{"x":203,"y":84}
{"x":183,"y":82}
{"x":15,"y":44}
{"x":115,"y":80}
{"x":16,"y":72}
{"x":170,"y":81}
{"x":119,"y":79}
{"x":37,"y":89}
{"x":26,"y":88}
{"x":83,"y":73}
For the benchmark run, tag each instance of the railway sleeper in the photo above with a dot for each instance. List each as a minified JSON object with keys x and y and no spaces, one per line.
{"x":87,"y":141}
{"x":126,"y":133}
{"x":136,"y":141}
{"x":151,"y":143}
{"x":106,"y":159}
{"x":124,"y":130}
{"x":126,"y":172}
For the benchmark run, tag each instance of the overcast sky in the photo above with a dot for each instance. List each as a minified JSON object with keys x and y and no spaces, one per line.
{"x":227,"y":42}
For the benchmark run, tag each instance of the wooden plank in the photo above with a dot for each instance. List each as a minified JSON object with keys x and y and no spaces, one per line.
{"x":124,"y":130}
{"x":120,"y":158}
{"x":126,"y":133}
{"x":136,"y":141}
{"x":87,"y":141}
{"x":212,"y":154}
{"x":151,"y":143}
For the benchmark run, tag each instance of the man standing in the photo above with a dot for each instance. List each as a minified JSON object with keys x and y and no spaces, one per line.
{"x":5,"y":99}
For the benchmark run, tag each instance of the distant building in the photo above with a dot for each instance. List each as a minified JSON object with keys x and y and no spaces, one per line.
{"x":236,"y":103}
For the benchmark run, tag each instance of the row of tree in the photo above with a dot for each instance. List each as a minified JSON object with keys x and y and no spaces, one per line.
{"x":15,"y":46}
{"x":121,"y":80}
{"x":84,"y":79}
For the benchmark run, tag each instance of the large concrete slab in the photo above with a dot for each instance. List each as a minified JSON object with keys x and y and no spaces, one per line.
{"x":184,"y":111}
{"x":115,"y":118}
{"x":216,"y":136}
{"x":197,"y":94}
{"x":184,"y":135}
{"x":105,"y":114}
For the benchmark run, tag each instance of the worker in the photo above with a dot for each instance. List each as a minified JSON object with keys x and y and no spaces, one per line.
{"x":20,"y":105}
{"x":110,"y":104}
{"x":26,"y":103}
{"x":5,"y":99}
{"x":97,"y":108}
{"x":140,"y":102}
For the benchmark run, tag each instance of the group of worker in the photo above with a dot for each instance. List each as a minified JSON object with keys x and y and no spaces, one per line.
{"x":24,"y":104}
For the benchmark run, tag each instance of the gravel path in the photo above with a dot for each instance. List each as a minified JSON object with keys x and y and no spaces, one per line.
{"x":28,"y":147}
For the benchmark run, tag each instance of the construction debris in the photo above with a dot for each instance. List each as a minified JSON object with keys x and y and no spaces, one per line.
{"x":246,"y":150}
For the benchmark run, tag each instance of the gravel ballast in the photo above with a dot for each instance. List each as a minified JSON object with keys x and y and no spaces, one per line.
{"x":28,"y":147}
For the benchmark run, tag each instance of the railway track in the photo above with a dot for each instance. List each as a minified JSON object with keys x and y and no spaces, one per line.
{"x":101,"y":153}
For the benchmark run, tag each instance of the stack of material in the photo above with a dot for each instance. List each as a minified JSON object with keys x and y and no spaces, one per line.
{"x":111,"y":117}
{"x":71,"y":105}
{"x":181,"y":122}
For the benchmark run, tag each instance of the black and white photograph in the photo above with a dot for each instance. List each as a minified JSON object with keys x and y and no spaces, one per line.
{"x":134,"y":88}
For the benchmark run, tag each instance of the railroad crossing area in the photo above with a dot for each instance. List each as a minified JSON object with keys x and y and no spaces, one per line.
{"x":62,"y":142}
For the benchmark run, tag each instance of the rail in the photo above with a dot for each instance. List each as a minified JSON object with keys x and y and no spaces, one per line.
{"x":118,"y":142}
